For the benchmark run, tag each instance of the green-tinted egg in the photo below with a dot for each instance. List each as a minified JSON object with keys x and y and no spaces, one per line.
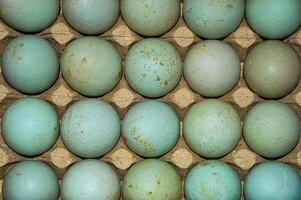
{"x":272,"y":180}
{"x":153,"y":67}
{"x":30,"y":64}
{"x":271,"y":129}
{"x":272,"y":69}
{"x":151,"y":128}
{"x":213,"y":18}
{"x":149,"y":17}
{"x":274,"y":19}
{"x":29,"y":15}
{"x":212,"y":128}
{"x":90,"y":128}
{"x":211,"y":68}
{"x":30,"y":180}
{"x":151,"y":179}
{"x":91,"y":17}
{"x":30,"y":126}
{"x":212,"y":179}
{"x":91,"y":66}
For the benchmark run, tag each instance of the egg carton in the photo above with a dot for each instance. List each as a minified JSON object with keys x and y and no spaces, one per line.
{"x":123,"y":97}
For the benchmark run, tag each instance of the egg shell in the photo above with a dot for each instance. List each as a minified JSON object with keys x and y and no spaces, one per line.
{"x":271,"y":129}
{"x":30,"y":126}
{"x":30,"y":64}
{"x":149,"y":17}
{"x":91,"y":66}
{"x":152,"y":179}
{"x":274,"y":19}
{"x":151,"y":128}
{"x":211,"y":68}
{"x":212,"y":179}
{"x":91,"y":17}
{"x":212,"y":128}
{"x":30,"y":180}
{"x":90,"y":128}
{"x":90,"y":179}
{"x":29,"y":16}
{"x":272,"y":69}
{"x":213,"y":19}
{"x":272,"y":180}
{"x":153,"y":67}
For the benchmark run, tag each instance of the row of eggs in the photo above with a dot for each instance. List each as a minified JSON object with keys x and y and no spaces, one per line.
{"x":90,"y":128}
{"x":151,"y":179}
{"x":207,"y":18}
{"x":153,"y":67}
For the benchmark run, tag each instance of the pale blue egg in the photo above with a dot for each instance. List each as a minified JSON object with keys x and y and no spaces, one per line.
{"x":91,"y":17}
{"x":30,"y":180}
{"x":91,"y":66}
{"x":30,"y":64}
{"x":151,"y":179}
{"x":212,"y":128}
{"x":272,"y":180}
{"x":90,"y":128}
{"x":212,"y":179}
{"x":90,"y":179}
{"x":151,"y":128}
{"x":213,"y":19}
{"x":30,"y":126}
{"x":153,"y":67}
{"x":29,"y":15}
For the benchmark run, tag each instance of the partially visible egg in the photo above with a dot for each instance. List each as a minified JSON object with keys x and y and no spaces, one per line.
{"x":29,"y":15}
{"x":91,"y":66}
{"x":152,"y":179}
{"x":271,"y":129}
{"x":213,"y":19}
{"x":149,"y":17}
{"x":272,"y":69}
{"x":151,"y":128}
{"x":212,"y":179}
{"x":90,"y":128}
{"x":30,"y":64}
{"x":274,"y":19}
{"x":91,"y":17}
{"x":211,"y":68}
{"x":30,"y":126}
{"x":212,"y":128}
{"x":90,"y":179}
{"x":153,"y":67}
{"x":30,"y":180}
{"x":272,"y":180}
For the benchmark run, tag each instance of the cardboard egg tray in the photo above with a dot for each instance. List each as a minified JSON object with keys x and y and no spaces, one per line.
{"x":123,"y":97}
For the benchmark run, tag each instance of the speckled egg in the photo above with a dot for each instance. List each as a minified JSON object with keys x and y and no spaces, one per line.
{"x":29,"y":15}
{"x":91,"y":66}
{"x":149,"y":17}
{"x":90,"y":179}
{"x":212,"y":179}
{"x":30,"y":126}
{"x":272,"y":180}
{"x":91,"y":17}
{"x":211,"y":68}
{"x":30,"y":180}
{"x":272,"y":69}
{"x":90,"y":128}
{"x":151,"y":128}
{"x":271,"y":129}
{"x":213,"y":18}
{"x":274,"y":19}
{"x":153,"y":67}
{"x":152,"y":179}
{"x":212,"y":128}
{"x":30,"y":64}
